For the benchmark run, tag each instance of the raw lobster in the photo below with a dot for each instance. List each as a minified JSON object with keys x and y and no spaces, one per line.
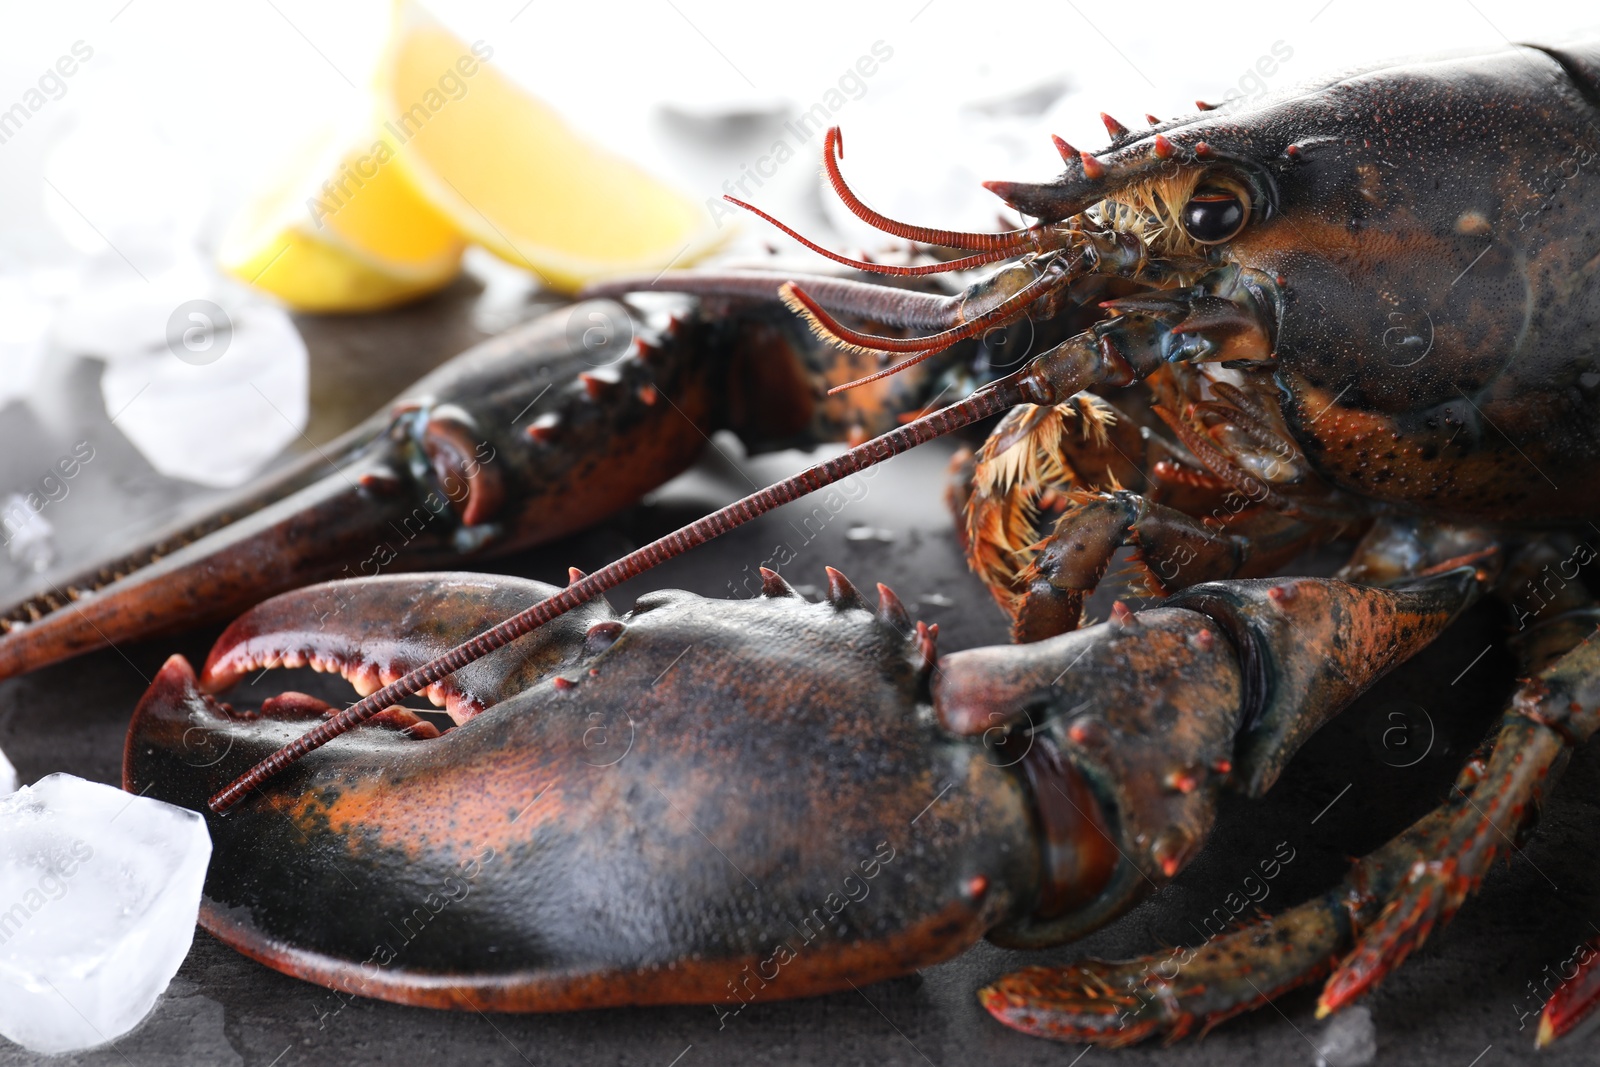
{"x":1370,"y":304}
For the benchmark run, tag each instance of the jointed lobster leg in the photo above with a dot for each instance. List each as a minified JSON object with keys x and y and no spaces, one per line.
{"x":1174,"y":550}
{"x":1386,"y":907}
{"x":1575,"y":998}
{"x":1191,"y":525}
{"x":1084,"y":445}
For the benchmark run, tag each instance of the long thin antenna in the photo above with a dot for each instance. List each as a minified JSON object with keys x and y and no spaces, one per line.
{"x":946,"y":267}
{"x":990,"y":400}
{"x":1014,"y":241}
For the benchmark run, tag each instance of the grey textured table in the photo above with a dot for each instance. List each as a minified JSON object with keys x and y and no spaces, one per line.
{"x":1457,"y":1002}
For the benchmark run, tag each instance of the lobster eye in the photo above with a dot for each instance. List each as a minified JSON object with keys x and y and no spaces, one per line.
{"x":1213,"y":214}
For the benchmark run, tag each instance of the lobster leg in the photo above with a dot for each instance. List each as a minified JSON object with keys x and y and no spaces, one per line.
{"x":1186,"y":525}
{"x":1000,"y":494}
{"x":1174,"y":550}
{"x":1174,"y":993}
{"x":1387,"y":905}
{"x":1574,"y":1000}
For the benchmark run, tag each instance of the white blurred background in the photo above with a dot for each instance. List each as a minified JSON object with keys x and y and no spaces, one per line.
{"x":117,"y":186}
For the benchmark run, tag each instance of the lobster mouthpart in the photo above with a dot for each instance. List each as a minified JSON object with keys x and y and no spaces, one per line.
{"x":571,"y":844}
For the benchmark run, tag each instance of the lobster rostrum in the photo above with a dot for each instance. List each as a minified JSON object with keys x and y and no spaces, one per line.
{"x":1365,"y":304}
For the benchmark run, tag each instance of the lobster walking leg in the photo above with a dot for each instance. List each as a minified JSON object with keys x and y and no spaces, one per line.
{"x":1388,"y":904}
{"x":1174,"y":551}
{"x":1034,"y":456}
{"x":1574,"y":1000}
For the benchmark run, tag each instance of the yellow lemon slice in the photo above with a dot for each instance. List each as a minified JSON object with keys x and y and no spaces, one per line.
{"x":342,"y":229}
{"x":508,"y":172}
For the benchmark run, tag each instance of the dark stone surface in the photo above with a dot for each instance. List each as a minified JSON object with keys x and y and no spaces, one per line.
{"x":1457,"y":1002}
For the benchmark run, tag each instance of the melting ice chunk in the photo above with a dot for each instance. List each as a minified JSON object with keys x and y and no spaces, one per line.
{"x":1349,"y":1039}
{"x":99,"y":891}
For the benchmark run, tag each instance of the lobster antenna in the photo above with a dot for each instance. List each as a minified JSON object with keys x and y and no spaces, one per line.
{"x":990,"y":400}
{"x":831,"y":330}
{"x":1012,"y":241}
{"x":965,"y":263}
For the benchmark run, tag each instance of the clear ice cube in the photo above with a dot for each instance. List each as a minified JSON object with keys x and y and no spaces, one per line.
{"x":99,"y":891}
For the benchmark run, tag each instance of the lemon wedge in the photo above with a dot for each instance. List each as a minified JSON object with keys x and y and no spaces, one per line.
{"x":509,"y":173}
{"x":342,"y":229}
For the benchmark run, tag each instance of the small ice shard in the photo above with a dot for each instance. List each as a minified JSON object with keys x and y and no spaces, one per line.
{"x":29,"y":538}
{"x":869,"y":533}
{"x":1349,"y":1039}
{"x":99,"y":892}
{"x":8,"y":776}
{"x":936,"y":600}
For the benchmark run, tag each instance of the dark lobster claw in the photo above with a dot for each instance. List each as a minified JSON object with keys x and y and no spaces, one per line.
{"x":573,"y":844}
{"x":303,"y":527}
{"x":722,"y":801}
{"x":372,"y":632}
{"x":494,"y":451}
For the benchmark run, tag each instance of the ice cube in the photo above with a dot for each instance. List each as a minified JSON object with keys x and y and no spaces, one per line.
{"x":99,"y":891}
{"x":1349,"y":1039}
{"x":221,"y":395}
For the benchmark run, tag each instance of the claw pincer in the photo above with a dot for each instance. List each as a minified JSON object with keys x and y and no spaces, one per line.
{"x":531,"y":436}
{"x":722,"y":801}
{"x":678,"y":805}
{"x":449,"y":471}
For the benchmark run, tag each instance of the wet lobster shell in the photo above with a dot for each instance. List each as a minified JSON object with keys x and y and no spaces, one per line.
{"x":520,"y":862}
